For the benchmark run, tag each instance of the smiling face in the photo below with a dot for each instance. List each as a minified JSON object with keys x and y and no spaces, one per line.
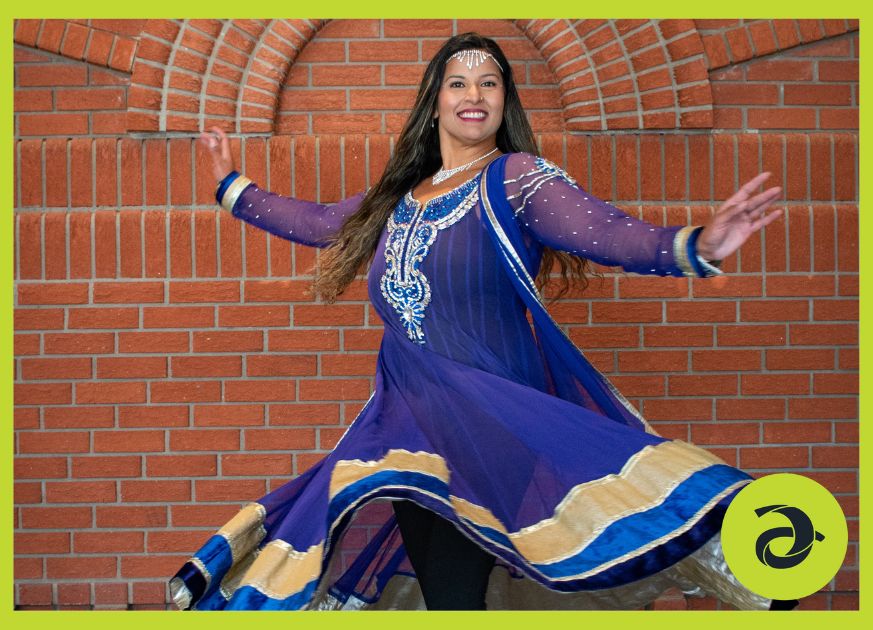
{"x":470,"y":103}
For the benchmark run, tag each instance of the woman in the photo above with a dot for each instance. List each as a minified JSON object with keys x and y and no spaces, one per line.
{"x":516,"y":473}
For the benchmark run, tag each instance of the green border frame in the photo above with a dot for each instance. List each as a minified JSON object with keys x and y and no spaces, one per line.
{"x":666,"y":620}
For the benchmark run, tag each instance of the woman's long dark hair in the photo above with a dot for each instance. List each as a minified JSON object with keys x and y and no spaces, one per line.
{"x":416,"y":156}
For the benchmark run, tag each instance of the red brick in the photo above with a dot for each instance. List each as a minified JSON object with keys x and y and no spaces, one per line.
{"x":152,"y":416}
{"x":841,"y":383}
{"x":774,"y":457}
{"x":150,"y":566}
{"x":128,"y":441}
{"x":33,"y":594}
{"x":701,"y":311}
{"x":259,"y":390}
{"x":705,"y":385}
{"x":26,"y":344}
{"x":228,"y":341}
{"x":691,"y":409}
{"x":204,"y":440}
{"x":305,"y":365}
{"x":835,"y":456}
{"x":260,"y":465}
{"x":751,"y":335}
{"x":653,"y":361}
{"x":108,"y":542}
{"x":797,"y":432}
{"x":797,"y":359}
{"x":202,"y":515}
{"x":103,"y":317}
{"x":54,"y":442}
{"x":724,"y":287}
{"x":774,"y":310}
{"x":605,"y":336}
{"x":25,"y":418}
{"x":249,"y":316}
{"x":228,"y":415}
{"x":185,"y":541}
{"x":109,"y":467}
{"x":131,"y":516}
{"x":178,"y":316}
{"x":51,"y":75}
{"x":28,"y":543}
{"x":823,"y":408}
{"x":163,"y":491}
{"x":110,"y":393}
{"x":150,"y":342}
{"x":37,"y":369}
{"x":678,"y":336}
{"x":231,"y":490}
{"x":78,"y":417}
{"x":842,"y":70}
{"x":181,"y":466}
{"x":329,"y":315}
{"x":40,"y":467}
{"x":303,"y":415}
{"x":38,"y":293}
{"x":99,"y":47}
{"x":52,"y":124}
{"x":334,"y":389}
{"x":185,"y":391}
{"x":728,"y":433}
{"x":141,"y":367}
{"x":80,"y":492}
{"x":780,"y":70}
{"x":55,"y":517}
{"x":824,"y":334}
{"x":774,"y":384}
{"x":279,"y":439}
{"x":217,"y":365}
{"x":749,"y":408}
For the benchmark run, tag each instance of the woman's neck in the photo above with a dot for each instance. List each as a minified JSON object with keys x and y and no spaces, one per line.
{"x":455,"y":156}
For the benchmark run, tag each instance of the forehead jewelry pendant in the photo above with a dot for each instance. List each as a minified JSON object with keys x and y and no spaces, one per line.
{"x":474,"y":58}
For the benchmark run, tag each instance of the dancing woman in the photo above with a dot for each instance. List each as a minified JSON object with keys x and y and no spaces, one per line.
{"x":492,"y":465}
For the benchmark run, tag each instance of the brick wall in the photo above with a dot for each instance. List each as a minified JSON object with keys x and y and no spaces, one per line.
{"x":170,"y":366}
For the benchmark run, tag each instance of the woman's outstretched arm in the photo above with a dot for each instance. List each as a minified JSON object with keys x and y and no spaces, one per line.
{"x":561,"y":215}
{"x":304,"y":222}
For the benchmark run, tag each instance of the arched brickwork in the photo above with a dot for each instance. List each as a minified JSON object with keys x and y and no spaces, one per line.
{"x":611,"y":74}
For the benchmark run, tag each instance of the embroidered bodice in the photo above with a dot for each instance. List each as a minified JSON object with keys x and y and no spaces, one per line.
{"x":435,"y":277}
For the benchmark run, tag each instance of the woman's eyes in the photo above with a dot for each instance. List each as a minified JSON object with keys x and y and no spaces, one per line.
{"x":461,"y":83}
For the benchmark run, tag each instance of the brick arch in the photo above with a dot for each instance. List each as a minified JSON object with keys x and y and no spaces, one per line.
{"x":611,"y":74}
{"x":192,"y":74}
{"x":626,"y":74}
{"x":78,"y":40}
{"x":733,"y":41}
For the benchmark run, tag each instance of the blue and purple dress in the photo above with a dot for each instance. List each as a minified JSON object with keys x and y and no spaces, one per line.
{"x":492,"y":420}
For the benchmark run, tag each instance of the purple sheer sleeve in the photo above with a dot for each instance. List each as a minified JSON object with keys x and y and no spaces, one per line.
{"x":558,"y":213}
{"x":304,"y":222}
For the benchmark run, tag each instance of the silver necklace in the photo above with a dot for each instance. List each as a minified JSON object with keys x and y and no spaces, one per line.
{"x":443,"y":174}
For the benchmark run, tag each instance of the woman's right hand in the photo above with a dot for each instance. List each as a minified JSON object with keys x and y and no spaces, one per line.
{"x":218,"y":146}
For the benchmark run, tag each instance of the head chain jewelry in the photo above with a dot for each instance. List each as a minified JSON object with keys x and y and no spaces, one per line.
{"x":474,"y":57}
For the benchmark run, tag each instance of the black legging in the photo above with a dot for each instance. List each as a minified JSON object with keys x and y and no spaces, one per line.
{"x":452,"y":570}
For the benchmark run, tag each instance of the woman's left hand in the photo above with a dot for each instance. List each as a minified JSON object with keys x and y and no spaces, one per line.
{"x":737,"y":219}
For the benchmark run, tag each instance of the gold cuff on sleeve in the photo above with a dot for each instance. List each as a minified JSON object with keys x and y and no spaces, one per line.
{"x":234,"y":191}
{"x":680,"y":250}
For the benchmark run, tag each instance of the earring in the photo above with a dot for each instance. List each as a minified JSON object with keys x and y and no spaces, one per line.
{"x":431,"y":122}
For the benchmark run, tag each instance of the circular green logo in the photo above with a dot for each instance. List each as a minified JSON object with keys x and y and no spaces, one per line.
{"x":784,"y":536}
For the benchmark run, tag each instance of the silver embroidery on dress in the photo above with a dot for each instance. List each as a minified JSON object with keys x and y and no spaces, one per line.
{"x":543,"y":171}
{"x":412,"y":229}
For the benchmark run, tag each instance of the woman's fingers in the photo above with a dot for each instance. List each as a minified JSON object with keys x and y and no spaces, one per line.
{"x":766,"y":220}
{"x":733,"y":205}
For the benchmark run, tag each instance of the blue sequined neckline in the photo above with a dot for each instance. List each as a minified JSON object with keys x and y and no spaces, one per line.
{"x":460,"y":190}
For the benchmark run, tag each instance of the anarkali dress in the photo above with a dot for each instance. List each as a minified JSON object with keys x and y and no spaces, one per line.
{"x":492,"y":420}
